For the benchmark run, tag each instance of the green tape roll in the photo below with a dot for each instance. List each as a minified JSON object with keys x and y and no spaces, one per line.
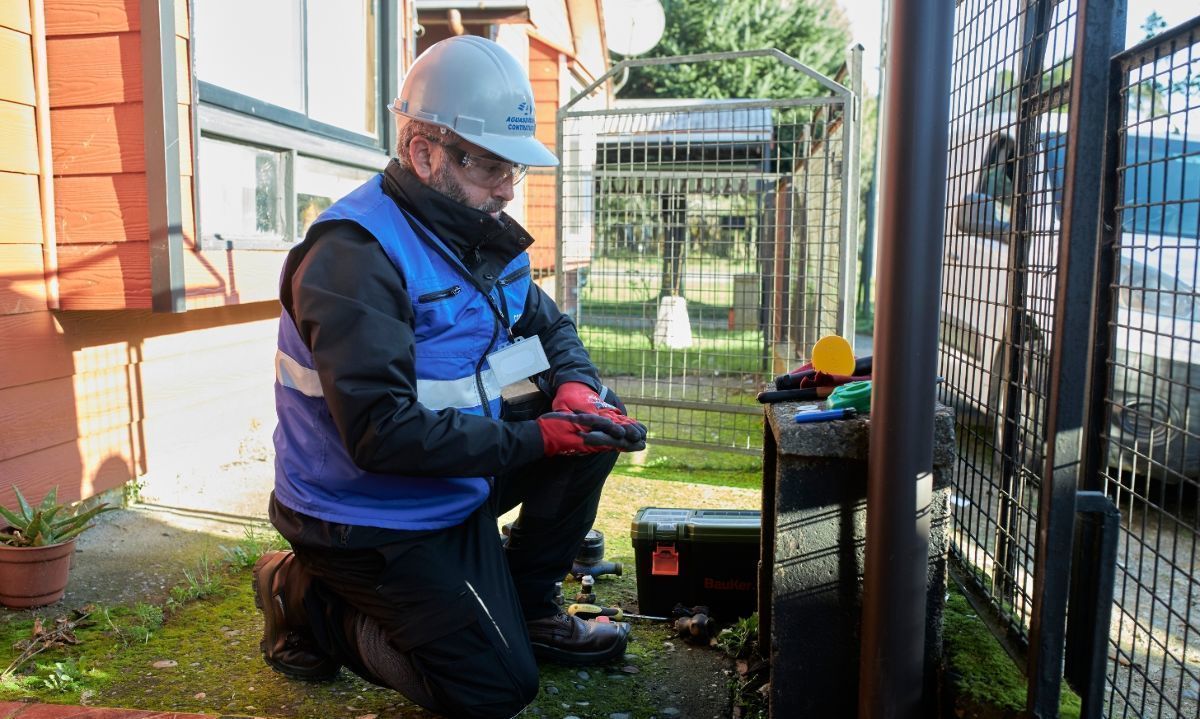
{"x":853,"y":394}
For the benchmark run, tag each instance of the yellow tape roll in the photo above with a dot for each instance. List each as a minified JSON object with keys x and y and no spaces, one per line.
{"x":832,"y":354}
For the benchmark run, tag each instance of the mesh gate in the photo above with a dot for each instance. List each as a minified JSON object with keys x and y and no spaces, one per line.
{"x":1011,"y":108}
{"x":1151,"y":462}
{"x":704,"y":246}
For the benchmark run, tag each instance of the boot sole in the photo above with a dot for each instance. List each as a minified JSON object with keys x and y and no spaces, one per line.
{"x":322,"y":674}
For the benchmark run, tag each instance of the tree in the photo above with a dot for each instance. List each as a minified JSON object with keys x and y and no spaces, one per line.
{"x":1149,"y":98}
{"x":815,"y":32}
{"x":1154,"y":25}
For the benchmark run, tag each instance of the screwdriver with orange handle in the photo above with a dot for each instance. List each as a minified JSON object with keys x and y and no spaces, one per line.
{"x":616,"y":614}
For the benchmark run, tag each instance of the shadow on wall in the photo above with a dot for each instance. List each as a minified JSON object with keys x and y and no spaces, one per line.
{"x":90,"y":400}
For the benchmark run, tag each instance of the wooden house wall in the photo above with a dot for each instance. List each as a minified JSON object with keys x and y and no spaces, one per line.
{"x":98,"y":394}
{"x":97,"y":121}
{"x":539,"y":194}
{"x":97,"y":115}
{"x":91,"y":400}
{"x":22,"y":287}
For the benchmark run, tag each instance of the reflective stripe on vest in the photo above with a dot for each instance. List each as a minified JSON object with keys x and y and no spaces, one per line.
{"x":435,"y":394}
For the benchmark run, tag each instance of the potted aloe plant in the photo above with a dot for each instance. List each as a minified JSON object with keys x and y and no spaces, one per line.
{"x":36,"y":549}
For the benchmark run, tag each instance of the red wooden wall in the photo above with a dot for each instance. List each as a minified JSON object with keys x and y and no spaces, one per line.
{"x":539,"y":193}
{"x":104,"y":391}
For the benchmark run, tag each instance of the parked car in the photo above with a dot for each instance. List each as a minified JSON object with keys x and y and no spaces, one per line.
{"x":1155,"y":358}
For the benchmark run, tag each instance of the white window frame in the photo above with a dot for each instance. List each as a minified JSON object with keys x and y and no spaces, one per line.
{"x":222,"y":114}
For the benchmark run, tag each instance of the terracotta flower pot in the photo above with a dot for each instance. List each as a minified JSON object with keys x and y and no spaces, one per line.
{"x":34,"y":576}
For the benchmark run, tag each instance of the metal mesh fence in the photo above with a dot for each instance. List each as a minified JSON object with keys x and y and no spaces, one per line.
{"x":701,"y":247}
{"x":1007,"y":178}
{"x":1008,"y":113}
{"x":1153,"y":399}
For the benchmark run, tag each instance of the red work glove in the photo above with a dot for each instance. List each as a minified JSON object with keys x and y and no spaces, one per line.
{"x":578,"y":397}
{"x":577,"y":433}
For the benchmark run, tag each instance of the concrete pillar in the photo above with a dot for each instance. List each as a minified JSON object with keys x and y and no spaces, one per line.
{"x":813,"y":542}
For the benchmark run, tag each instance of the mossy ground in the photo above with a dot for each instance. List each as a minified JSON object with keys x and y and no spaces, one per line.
{"x":217,"y":669}
{"x":986,"y":682}
{"x":209,"y":630}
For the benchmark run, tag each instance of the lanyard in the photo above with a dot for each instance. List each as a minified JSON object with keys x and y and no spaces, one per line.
{"x":459,"y":267}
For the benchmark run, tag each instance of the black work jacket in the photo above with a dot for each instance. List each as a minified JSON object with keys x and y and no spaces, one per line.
{"x":354,"y":313}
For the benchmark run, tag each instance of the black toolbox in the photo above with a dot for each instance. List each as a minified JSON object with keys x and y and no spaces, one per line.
{"x":697,"y":557}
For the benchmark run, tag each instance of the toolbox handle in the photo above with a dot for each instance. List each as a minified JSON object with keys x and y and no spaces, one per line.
{"x":665,"y":560}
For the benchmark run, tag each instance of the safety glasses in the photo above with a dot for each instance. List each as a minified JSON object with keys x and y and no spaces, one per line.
{"x":486,"y":172}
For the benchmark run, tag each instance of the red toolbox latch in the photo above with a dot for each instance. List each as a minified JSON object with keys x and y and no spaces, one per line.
{"x":665,"y":560}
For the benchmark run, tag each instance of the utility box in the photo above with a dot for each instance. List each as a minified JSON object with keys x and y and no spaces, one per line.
{"x":697,"y":557}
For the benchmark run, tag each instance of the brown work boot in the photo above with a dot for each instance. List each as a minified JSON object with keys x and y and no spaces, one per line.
{"x":287,"y":645}
{"x":565,"y":639}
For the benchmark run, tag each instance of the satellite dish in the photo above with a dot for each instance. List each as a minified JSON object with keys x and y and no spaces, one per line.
{"x":633,"y":26}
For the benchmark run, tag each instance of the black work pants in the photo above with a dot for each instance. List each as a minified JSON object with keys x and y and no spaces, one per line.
{"x":451,"y":603}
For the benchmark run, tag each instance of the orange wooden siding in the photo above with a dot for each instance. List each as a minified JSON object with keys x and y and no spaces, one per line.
{"x":98,"y":125}
{"x":91,"y":17}
{"x":539,"y":192}
{"x":94,"y":58}
{"x":90,"y":400}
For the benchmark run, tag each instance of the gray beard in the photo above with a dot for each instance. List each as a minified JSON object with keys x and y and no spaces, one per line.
{"x":443,"y":181}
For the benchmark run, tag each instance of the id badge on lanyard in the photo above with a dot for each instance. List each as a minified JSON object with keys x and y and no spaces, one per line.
{"x":519,"y":360}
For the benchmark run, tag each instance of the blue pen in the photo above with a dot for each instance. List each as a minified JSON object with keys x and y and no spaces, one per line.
{"x":826,"y":414}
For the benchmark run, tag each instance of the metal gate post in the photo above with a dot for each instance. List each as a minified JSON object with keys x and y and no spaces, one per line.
{"x":1090,"y":609}
{"x":899,"y":480}
{"x":851,"y":130}
{"x":1069,"y":370}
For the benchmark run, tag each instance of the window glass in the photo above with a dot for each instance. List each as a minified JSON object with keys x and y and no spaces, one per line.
{"x":319,"y":184}
{"x":343,"y":64}
{"x":242,"y":190}
{"x":253,"y":48}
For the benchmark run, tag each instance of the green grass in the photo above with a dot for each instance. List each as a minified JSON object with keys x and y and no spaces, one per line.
{"x":638,"y":278}
{"x":647,"y":309}
{"x":711,"y":430}
{"x":679,"y":464}
{"x":619,"y":351}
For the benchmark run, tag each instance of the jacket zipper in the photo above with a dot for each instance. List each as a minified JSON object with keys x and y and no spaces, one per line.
{"x":509,"y":279}
{"x":439,"y":294}
{"x":505,"y":282}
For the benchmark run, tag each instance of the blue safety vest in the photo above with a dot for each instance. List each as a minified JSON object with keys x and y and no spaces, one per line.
{"x":455,"y":327}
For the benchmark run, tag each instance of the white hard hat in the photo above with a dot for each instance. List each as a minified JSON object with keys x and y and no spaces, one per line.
{"x":477,"y":89}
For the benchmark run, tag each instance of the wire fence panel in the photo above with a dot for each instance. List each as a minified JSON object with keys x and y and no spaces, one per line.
{"x":1007,"y":179}
{"x":702,"y":246}
{"x":1153,"y":397}
{"x":1009,"y":112}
